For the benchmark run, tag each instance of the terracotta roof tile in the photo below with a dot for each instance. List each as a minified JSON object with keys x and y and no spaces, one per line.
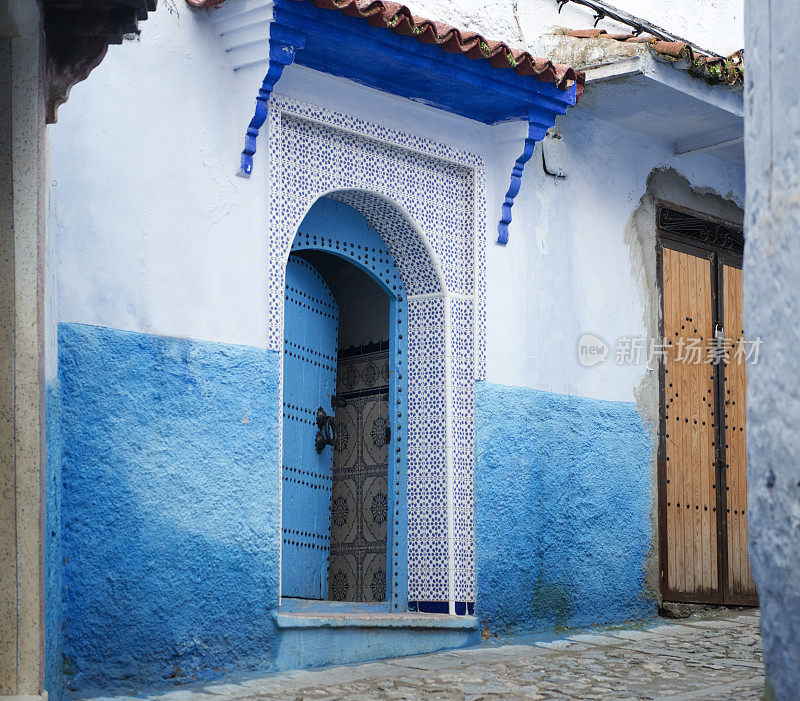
{"x":720,"y":71}
{"x":400,"y":19}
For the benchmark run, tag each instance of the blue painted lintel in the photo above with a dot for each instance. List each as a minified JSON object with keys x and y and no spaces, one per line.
{"x":536,"y":132}
{"x":401,"y":65}
{"x":283,"y":46}
{"x":346,"y":47}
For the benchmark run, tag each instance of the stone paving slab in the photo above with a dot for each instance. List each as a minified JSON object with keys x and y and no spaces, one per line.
{"x":487,"y":654}
{"x":432,"y":663}
{"x":634,"y":634}
{"x":672,"y":629}
{"x":687,"y":660}
{"x":717,"y":624}
{"x":752,"y":614}
{"x":567,"y":644}
{"x":595,"y":639}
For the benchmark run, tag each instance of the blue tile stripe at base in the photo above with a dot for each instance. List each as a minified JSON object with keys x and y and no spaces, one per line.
{"x":562,"y":514}
{"x":463,"y":608}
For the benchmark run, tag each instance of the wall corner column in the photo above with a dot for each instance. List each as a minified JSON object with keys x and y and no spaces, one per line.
{"x":22,"y":218}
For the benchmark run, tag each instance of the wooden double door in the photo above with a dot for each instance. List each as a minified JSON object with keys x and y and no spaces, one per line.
{"x":702,"y":456}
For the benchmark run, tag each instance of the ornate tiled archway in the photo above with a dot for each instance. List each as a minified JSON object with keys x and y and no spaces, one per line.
{"x":426,"y":201}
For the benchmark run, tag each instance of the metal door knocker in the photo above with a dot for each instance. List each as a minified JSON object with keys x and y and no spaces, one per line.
{"x":326,"y":433}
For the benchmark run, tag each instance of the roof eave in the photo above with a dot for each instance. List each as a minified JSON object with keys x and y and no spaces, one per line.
{"x":646,"y":95}
{"x":729,"y":98}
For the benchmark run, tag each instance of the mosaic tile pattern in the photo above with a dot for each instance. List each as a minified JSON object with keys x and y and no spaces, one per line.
{"x":448,"y":188}
{"x":400,"y":238}
{"x":427,"y":452}
{"x":427,"y":202}
{"x":463,"y":439}
{"x":314,"y":151}
{"x":359,"y":504}
{"x":480,"y":293}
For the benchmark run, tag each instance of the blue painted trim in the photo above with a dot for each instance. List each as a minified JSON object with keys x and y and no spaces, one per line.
{"x":536,"y":132}
{"x":283,"y":45}
{"x":397,"y":537}
{"x":332,"y":43}
{"x":291,"y":604}
{"x":453,"y":82}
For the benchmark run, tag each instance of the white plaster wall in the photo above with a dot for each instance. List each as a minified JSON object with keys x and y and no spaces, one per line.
{"x":51,"y":281}
{"x":716,"y":25}
{"x":154,"y":233}
{"x":152,"y":230}
{"x":567,"y":270}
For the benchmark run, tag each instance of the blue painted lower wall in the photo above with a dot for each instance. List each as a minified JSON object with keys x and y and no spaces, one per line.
{"x":53,"y":553}
{"x":562,"y":510}
{"x":170,"y":507}
{"x":163,"y":565}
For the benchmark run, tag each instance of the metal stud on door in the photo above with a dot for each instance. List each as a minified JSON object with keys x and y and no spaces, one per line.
{"x":311,"y":319}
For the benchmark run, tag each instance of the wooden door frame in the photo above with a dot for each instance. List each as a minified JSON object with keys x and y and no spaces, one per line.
{"x":718,"y":257}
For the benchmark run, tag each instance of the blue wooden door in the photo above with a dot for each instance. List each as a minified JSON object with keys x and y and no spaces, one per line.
{"x":311,"y":321}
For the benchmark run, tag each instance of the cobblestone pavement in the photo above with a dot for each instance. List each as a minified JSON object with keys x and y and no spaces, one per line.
{"x":717,"y":657}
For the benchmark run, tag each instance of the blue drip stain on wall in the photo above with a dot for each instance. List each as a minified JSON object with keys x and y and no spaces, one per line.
{"x":171,"y":505}
{"x":562,"y":511}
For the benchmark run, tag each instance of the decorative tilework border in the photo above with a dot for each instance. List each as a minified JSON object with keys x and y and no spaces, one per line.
{"x":283,"y":105}
{"x":375,"y":131}
{"x":314,"y":152}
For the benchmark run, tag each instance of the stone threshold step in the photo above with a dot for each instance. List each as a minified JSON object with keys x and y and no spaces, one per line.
{"x":286,"y":621}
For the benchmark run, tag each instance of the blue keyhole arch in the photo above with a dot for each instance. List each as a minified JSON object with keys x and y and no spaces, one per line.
{"x":333,"y":227}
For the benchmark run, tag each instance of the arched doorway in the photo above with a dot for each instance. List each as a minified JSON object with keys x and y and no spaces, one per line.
{"x":427,"y":203}
{"x":343,"y":474}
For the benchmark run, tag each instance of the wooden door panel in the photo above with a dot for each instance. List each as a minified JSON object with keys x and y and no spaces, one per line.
{"x":739,"y":585}
{"x":689,"y":455}
{"x":311,"y":318}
